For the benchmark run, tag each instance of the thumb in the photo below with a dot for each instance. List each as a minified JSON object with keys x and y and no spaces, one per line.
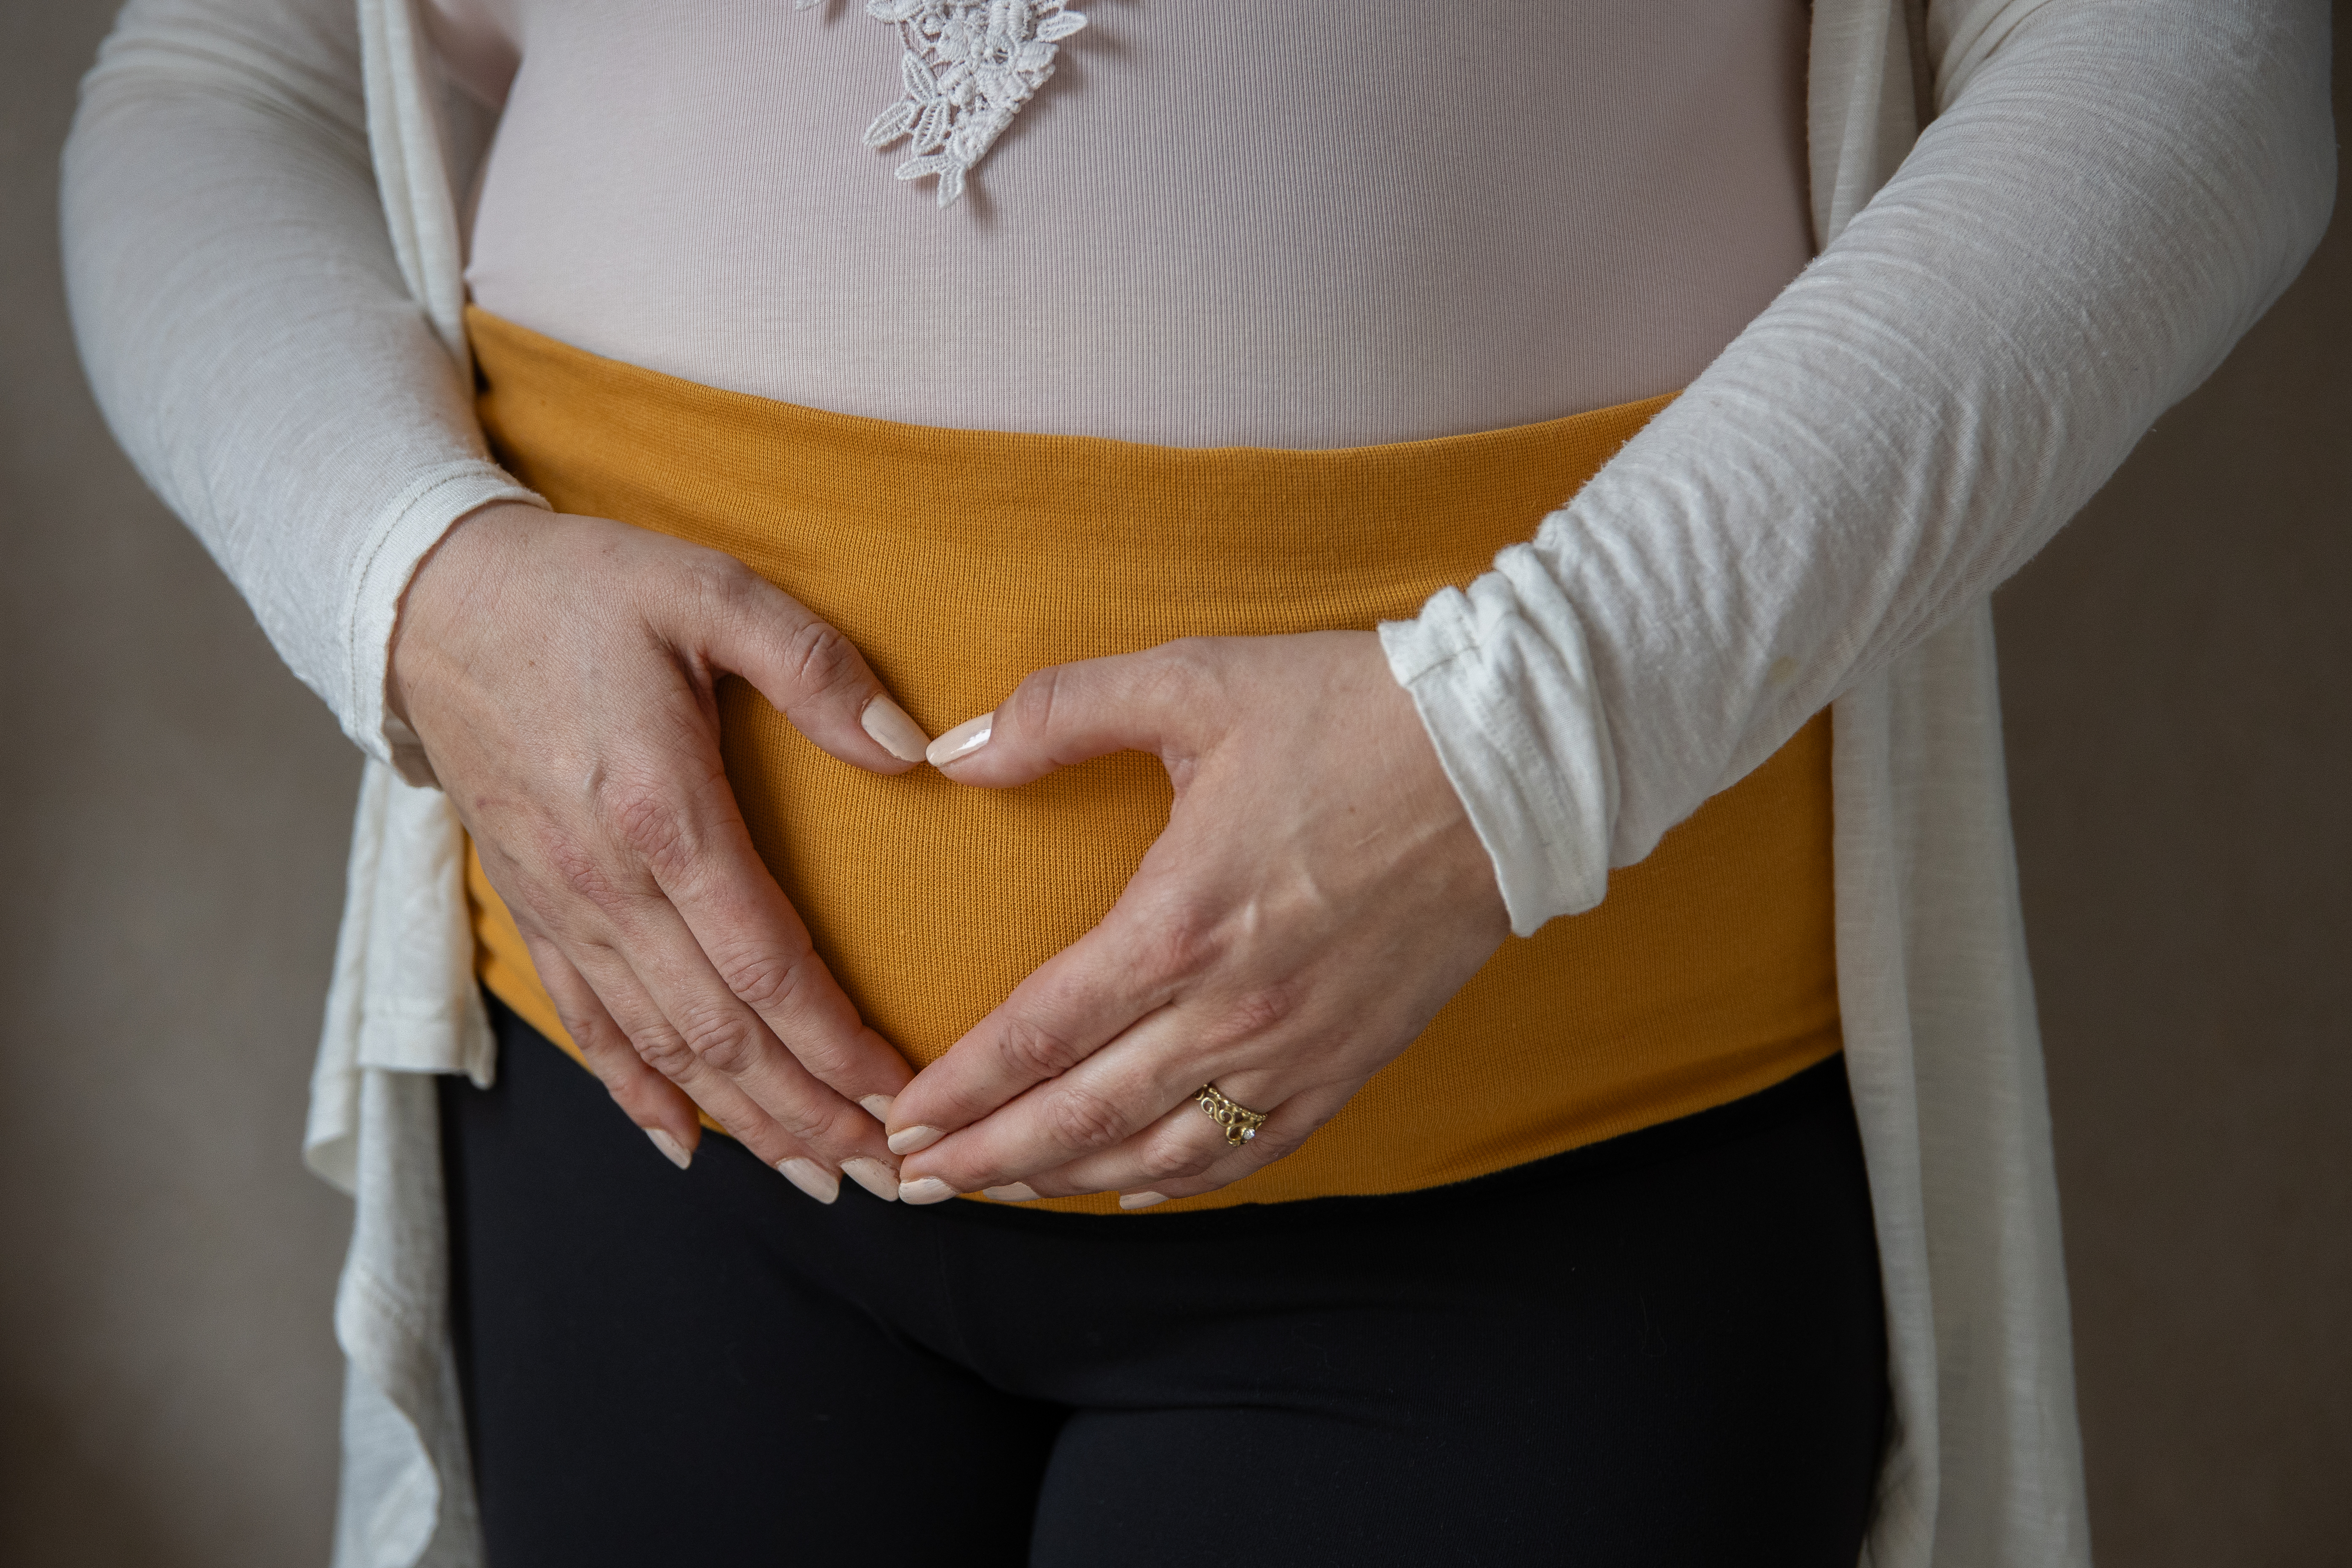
{"x":811,"y":674}
{"x":1069,"y":713}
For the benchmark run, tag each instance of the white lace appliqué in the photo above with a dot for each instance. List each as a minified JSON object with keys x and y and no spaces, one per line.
{"x":969,"y":66}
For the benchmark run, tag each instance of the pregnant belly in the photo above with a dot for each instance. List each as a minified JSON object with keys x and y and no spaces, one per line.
{"x":959,"y":561}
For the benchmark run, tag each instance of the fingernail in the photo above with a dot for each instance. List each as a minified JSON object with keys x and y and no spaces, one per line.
{"x":907,"y":1139}
{"x":873,"y":1175}
{"x":676,"y":1152}
{"x":963,"y":740}
{"x":1140,"y":1200}
{"x":878,"y":1106}
{"x":893,"y":730}
{"x":929,"y":1190}
{"x":1015,"y":1192}
{"x":811,"y":1178}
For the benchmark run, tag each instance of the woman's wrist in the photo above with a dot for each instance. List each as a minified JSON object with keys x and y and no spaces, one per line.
{"x":446,"y":572}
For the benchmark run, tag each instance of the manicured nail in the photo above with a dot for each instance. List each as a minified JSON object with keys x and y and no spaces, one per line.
{"x":929,"y":1190}
{"x":907,"y":1139}
{"x":811,"y":1178}
{"x":873,"y":1175}
{"x":676,"y":1152}
{"x":1015,"y":1193}
{"x":893,"y":730}
{"x":1140,"y":1200}
{"x":878,"y":1106}
{"x":963,"y":740}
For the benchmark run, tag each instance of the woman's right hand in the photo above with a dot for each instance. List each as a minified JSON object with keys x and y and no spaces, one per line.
{"x":561,"y":672}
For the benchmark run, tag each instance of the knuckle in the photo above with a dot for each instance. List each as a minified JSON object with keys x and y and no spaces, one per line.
{"x":1184,"y":938}
{"x":667,"y":1054}
{"x":720,"y":582}
{"x":588,"y":1033}
{"x":1258,"y":1011}
{"x":720,"y":1040}
{"x":579,"y":872}
{"x":1185,"y":669}
{"x":650,"y":825}
{"x":821,"y":659}
{"x":767,"y":980}
{"x":1030,"y":709}
{"x":1081,"y":1119}
{"x":1032,"y":1050}
{"x":1181,"y":658}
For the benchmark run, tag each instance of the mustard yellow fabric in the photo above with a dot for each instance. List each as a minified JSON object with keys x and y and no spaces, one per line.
{"x":959,"y":561}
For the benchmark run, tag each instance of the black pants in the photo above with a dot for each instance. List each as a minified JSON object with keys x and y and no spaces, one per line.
{"x":1666,"y":1349}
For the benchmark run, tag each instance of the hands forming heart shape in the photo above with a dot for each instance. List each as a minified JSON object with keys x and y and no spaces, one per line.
{"x":1317,"y":894}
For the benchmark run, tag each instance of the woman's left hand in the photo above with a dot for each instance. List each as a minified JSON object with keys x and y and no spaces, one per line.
{"x":1317,"y":895}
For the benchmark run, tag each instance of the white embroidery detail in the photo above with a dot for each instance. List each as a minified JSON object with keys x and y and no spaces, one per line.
{"x":969,"y":66}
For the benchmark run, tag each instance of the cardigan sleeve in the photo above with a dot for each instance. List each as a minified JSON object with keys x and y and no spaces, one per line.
{"x":244,"y":322}
{"x":2112,"y":193}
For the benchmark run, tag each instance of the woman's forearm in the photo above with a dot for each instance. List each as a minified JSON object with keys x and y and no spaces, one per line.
{"x":247,"y":333}
{"x":2107,"y":205}
{"x":2118,"y":191}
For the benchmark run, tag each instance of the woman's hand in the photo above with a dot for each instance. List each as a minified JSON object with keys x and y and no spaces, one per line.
{"x":1318,"y":896}
{"x":562,"y":673}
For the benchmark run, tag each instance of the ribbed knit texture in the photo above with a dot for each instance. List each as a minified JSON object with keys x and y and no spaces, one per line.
{"x":959,"y":561}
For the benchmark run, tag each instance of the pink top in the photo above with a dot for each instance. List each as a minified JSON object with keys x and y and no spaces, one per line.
{"x":1291,"y":223}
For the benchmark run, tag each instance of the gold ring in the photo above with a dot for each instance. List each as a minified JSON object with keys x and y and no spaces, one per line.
{"x":1240,"y":1122}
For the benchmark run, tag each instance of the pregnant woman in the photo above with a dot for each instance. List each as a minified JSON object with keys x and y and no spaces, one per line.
{"x":1256,"y":737}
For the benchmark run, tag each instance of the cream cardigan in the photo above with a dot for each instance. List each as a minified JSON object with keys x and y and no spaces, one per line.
{"x":264,"y":264}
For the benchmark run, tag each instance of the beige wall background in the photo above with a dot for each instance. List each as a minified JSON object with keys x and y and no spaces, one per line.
{"x":172,"y":808}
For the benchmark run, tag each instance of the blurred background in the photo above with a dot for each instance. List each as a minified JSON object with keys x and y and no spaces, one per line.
{"x":173,"y":816}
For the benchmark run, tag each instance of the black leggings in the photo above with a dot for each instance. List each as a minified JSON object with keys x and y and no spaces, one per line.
{"x":1665,"y":1349}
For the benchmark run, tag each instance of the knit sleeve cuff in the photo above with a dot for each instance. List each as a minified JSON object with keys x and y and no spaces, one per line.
{"x":1503,"y":682}
{"x":404,"y":533}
